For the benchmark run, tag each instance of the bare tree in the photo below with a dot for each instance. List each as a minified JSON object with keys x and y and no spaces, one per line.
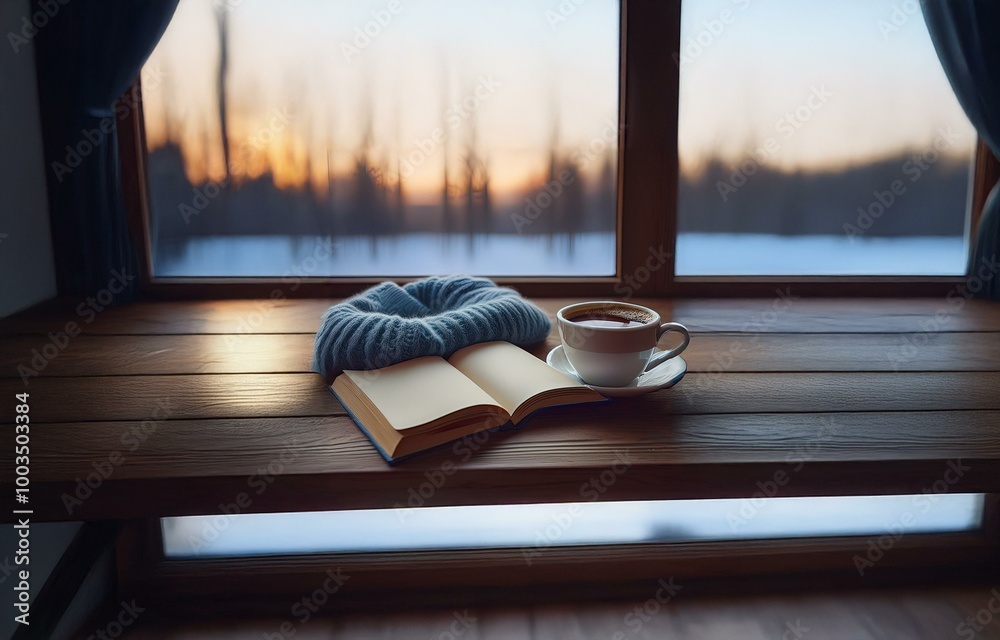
{"x":222,"y":24}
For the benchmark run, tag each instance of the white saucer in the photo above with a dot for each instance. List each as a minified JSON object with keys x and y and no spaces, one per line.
{"x":663,"y":376}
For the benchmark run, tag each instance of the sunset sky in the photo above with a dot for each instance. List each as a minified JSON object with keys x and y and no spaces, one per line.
{"x":538,"y":79}
{"x":889,"y":93}
{"x":433,"y":54}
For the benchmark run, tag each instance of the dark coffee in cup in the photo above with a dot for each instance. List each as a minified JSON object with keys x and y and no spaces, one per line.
{"x":611,"y":317}
{"x":611,"y":343}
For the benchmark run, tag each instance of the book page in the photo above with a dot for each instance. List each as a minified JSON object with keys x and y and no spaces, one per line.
{"x":419,"y":391}
{"x":508,"y":373}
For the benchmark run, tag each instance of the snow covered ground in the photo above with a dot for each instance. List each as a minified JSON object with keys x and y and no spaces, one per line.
{"x":589,"y":254}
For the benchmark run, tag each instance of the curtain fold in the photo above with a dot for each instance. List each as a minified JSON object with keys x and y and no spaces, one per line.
{"x":87,"y":54}
{"x":966,"y":36}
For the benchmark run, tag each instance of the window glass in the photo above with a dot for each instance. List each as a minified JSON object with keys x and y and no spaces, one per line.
{"x":384,"y":137}
{"x":534,"y":526}
{"x":818,"y":138}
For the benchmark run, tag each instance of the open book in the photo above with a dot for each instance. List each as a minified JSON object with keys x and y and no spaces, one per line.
{"x":424,"y":402}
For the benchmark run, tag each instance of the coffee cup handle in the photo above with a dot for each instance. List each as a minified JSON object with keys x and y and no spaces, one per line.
{"x":663,"y":356}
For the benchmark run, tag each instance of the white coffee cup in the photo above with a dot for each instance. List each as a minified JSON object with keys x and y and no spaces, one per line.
{"x":611,"y":343}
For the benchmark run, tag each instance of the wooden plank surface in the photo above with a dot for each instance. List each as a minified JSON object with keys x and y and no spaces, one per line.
{"x":195,"y":398}
{"x":302,"y":394}
{"x":915,"y":613}
{"x":240,"y":447}
{"x":128,"y":355}
{"x":194,"y":466}
{"x":757,"y":315}
{"x":602,"y":573}
{"x":839,"y":315}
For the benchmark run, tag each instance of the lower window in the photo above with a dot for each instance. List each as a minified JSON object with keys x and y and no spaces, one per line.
{"x":533,"y":527}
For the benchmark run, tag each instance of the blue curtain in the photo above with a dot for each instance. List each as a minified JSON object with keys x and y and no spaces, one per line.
{"x":966,"y":35}
{"x":87,"y":53}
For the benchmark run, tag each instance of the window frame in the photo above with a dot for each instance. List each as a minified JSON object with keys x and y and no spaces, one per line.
{"x":265,"y":585}
{"x":646,"y":206}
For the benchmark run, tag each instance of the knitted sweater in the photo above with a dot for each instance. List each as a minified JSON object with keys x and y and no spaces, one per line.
{"x":388,"y":323}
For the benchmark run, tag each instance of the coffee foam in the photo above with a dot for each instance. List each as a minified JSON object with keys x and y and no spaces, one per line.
{"x":625,"y":313}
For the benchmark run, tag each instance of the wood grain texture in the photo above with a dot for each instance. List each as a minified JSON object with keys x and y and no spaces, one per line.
{"x":240,"y":447}
{"x":618,"y":575}
{"x":227,"y":317}
{"x":195,"y":398}
{"x":300,"y":394}
{"x":648,"y":162}
{"x":914,"y":613}
{"x":126,"y":355}
{"x":272,"y":489}
{"x":780,"y":314}
{"x":737,"y":353}
{"x":176,"y":397}
{"x":195,"y":466}
{"x":590,"y":565}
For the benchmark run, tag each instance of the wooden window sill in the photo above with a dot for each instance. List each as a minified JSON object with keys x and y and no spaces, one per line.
{"x":189,"y":404}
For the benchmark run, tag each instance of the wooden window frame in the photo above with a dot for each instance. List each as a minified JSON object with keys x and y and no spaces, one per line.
{"x":267,"y":585}
{"x":647,"y":198}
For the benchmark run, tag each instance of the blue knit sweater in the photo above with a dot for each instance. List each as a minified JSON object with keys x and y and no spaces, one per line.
{"x":388,"y":323}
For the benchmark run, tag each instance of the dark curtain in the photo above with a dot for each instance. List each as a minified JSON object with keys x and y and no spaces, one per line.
{"x":966,"y":35}
{"x":87,"y":53}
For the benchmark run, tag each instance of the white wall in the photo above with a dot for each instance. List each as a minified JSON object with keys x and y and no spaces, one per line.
{"x":26,"y":264}
{"x":25,"y":260}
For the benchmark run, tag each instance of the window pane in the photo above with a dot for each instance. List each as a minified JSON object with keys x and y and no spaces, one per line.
{"x":818,"y":138}
{"x":529,"y":526}
{"x":382,"y":137}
